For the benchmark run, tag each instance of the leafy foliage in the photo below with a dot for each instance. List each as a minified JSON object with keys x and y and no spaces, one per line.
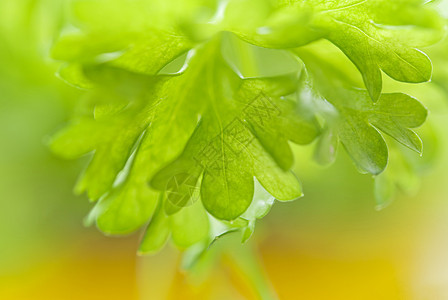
{"x":191,"y":106}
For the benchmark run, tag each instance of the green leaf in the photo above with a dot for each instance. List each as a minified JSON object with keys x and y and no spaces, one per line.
{"x":326,"y":148}
{"x":260,"y":207}
{"x":228,"y":192}
{"x":157,"y":232}
{"x":112,"y":132}
{"x":369,"y":33}
{"x":402,"y":173}
{"x":232,"y":143}
{"x":126,"y":39}
{"x":384,"y":191}
{"x":375,"y":35}
{"x":357,"y":120}
{"x":190,"y":225}
{"x":191,"y":106}
{"x":272,"y":25}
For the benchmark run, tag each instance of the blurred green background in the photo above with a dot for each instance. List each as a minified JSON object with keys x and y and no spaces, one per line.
{"x":331,"y":244}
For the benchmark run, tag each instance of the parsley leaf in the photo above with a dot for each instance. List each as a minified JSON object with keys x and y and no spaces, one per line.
{"x":191,"y":106}
{"x":356,"y":120}
{"x":375,"y":35}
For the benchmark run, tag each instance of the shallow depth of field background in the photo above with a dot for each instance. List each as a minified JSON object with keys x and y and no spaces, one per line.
{"x":331,"y":244}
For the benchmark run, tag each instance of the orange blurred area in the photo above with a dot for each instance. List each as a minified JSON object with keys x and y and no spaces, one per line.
{"x":93,"y":267}
{"x":397,"y":253}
